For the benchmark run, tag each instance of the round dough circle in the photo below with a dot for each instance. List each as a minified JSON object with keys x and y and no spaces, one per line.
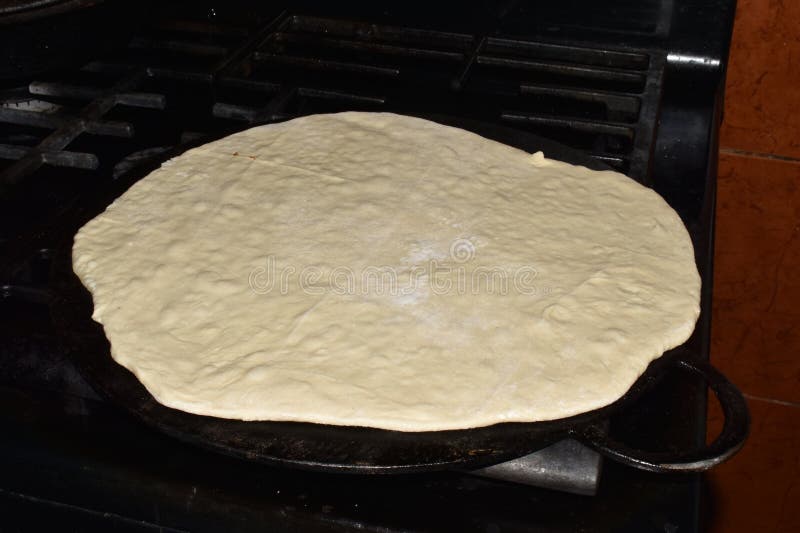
{"x":372,"y":269}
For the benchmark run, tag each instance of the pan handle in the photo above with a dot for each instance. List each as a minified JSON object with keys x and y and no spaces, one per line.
{"x":729,"y":441}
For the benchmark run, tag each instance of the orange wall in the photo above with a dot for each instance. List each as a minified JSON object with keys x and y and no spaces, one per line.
{"x":756,"y":307}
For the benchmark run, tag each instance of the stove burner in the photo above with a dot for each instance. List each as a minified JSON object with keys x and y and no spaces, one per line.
{"x":599,"y":79}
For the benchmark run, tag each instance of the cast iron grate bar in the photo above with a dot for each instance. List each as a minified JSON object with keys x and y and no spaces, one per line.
{"x":616,"y":102}
{"x":183,"y":47}
{"x":54,"y":121}
{"x":368,"y":46}
{"x":621,"y":130}
{"x":561,"y":52}
{"x":82,"y":92}
{"x":407,"y":36}
{"x":338,"y":95}
{"x":180,"y":74}
{"x":200,"y":27}
{"x":458,"y":83}
{"x":34,"y":158}
{"x":648,"y":117}
{"x":106,"y":67}
{"x":325,"y":65}
{"x":611,"y":160}
{"x":577,"y":71}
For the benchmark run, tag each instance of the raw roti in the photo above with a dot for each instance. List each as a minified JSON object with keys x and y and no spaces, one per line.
{"x":299,"y":271}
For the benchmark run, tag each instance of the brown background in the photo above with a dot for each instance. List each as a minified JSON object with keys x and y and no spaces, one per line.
{"x":756,"y":309}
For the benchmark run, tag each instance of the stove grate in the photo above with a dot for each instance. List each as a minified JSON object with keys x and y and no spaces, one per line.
{"x":190,"y":74}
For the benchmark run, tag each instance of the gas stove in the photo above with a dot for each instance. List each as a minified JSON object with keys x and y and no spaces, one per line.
{"x":635,"y":85}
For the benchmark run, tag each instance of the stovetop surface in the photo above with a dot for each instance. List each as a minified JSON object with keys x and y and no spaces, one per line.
{"x":619,"y":84}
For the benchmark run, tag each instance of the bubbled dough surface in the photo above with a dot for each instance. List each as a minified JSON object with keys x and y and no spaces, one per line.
{"x":169,"y":263}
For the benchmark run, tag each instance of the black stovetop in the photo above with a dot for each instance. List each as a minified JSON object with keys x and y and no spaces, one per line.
{"x":636,"y":85}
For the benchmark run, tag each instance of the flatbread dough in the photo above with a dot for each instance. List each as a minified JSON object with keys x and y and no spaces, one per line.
{"x":372,"y":269}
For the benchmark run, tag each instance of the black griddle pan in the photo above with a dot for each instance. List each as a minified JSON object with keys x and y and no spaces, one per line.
{"x":368,"y":450}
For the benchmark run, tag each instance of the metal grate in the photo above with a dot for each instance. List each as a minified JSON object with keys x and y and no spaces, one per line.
{"x":194,"y":72}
